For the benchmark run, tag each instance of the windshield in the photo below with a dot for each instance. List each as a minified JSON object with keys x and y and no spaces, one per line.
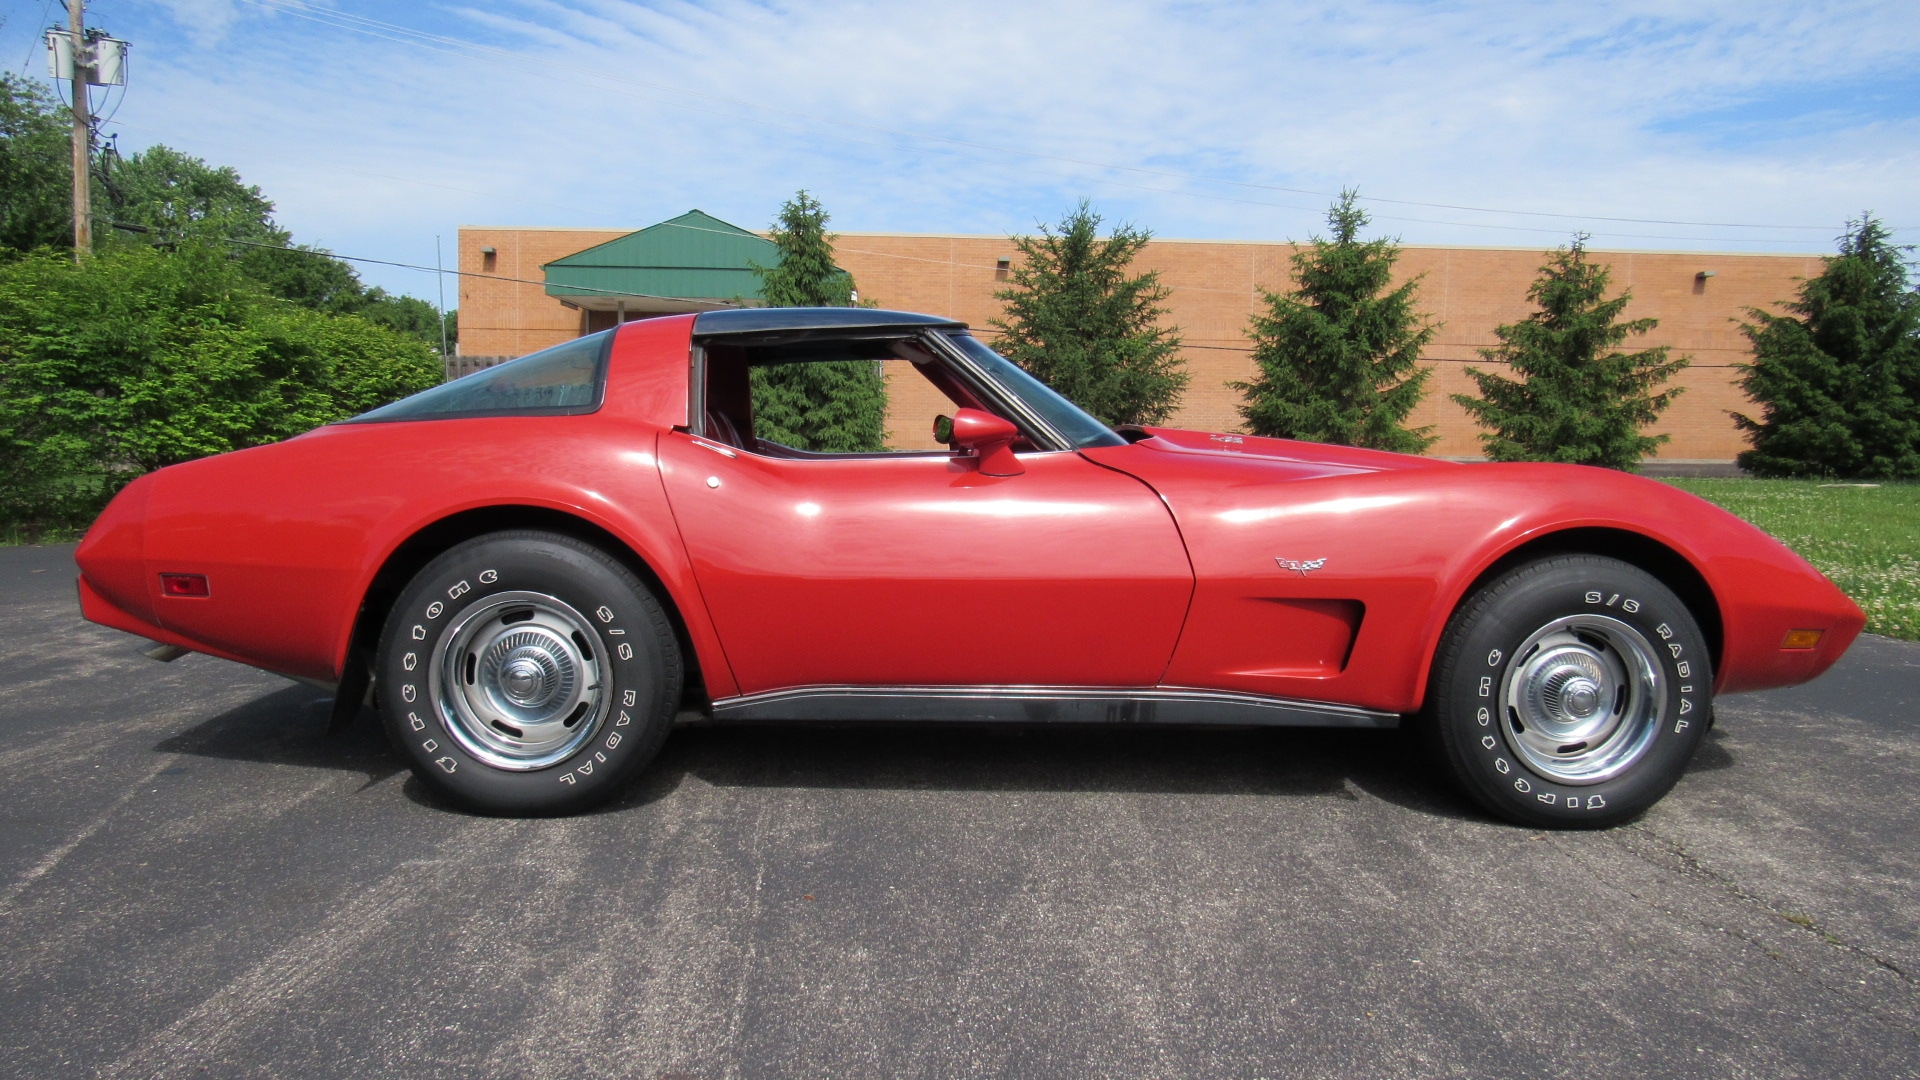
{"x":1081,"y":431}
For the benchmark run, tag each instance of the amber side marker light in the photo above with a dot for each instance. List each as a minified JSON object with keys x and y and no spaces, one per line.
{"x":1801,"y":639}
{"x":184,"y":585}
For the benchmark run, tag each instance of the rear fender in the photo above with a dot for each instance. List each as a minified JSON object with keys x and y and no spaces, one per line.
{"x":653,"y":551}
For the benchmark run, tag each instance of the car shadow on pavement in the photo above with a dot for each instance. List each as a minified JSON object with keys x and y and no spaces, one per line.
{"x":289,"y":727}
{"x":1711,"y":756}
{"x":1116,"y":759}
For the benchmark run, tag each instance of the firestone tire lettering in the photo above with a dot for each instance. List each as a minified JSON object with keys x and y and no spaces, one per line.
{"x":1485,"y":760}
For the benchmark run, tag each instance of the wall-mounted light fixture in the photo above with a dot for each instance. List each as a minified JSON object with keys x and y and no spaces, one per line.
{"x":1001,"y":267}
{"x":1705,"y":274}
{"x":487,"y":255}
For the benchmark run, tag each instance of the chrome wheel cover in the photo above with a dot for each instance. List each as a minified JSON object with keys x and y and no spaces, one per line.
{"x":520,"y":680}
{"x":1583,"y":698}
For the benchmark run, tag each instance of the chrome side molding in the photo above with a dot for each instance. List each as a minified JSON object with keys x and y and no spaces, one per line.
{"x":1042,"y":705}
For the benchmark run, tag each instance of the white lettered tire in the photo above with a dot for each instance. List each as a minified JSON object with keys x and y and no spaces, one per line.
{"x":1570,"y":692}
{"x":527,"y":673}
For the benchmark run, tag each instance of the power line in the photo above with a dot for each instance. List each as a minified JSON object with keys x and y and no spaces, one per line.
{"x":422,"y":39}
{"x":40,"y":41}
{"x":696,"y":228}
{"x":693,"y":300}
{"x":437,"y":270}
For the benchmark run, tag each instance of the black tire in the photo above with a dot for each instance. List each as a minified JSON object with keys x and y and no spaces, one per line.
{"x":1575,"y":647}
{"x":526,"y":673}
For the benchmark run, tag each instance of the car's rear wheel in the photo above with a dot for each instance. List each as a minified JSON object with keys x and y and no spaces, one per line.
{"x":1569,"y":692}
{"x":527,"y":673}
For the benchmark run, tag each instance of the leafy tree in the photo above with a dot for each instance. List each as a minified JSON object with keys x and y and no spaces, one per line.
{"x":1580,"y":400}
{"x":407,"y":315}
{"x":176,"y":195}
{"x":36,"y":166}
{"x":171,"y":197}
{"x":832,"y":406}
{"x":1339,"y":357}
{"x":162,"y":197}
{"x":1838,"y":380}
{"x":1078,"y":322}
{"x":140,"y":358}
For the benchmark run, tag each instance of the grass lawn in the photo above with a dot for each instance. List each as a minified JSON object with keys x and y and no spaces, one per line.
{"x":1867,"y":539}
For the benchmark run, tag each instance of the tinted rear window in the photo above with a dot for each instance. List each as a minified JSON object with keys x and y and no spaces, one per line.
{"x":560,"y":381}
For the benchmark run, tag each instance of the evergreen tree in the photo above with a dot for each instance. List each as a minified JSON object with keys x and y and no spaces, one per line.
{"x":1076,"y":321}
{"x":1838,"y":381}
{"x":1339,"y":357}
{"x":1580,"y":399}
{"x":834,"y":406}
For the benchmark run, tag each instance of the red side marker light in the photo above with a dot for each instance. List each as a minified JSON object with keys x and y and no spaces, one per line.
{"x":184,"y":585}
{"x":1801,"y":639}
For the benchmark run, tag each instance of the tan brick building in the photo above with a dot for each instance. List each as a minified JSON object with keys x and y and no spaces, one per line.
{"x":1699,"y":297}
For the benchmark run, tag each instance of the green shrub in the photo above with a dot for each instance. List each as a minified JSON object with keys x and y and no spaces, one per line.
{"x":139,"y":358}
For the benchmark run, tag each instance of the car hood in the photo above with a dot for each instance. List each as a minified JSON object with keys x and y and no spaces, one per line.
{"x":1333,"y":459}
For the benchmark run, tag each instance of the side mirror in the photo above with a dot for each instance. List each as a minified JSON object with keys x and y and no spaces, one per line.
{"x":986,"y":436}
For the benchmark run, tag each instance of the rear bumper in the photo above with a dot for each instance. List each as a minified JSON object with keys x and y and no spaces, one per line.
{"x":98,"y":609}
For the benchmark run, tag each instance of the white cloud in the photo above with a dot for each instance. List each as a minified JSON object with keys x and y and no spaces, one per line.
{"x":206,"y":21}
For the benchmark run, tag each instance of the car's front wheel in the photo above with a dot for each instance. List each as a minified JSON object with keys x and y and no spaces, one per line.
{"x":527,"y":673}
{"x":1569,"y":692}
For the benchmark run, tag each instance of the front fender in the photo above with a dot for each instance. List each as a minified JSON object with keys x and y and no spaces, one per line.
{"x":1406,"y":545}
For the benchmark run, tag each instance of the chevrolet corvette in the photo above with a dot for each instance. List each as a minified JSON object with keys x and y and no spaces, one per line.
{"x":530,"y":572}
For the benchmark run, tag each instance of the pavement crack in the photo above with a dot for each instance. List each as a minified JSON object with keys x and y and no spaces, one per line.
{"x":1802,"y":921}
{"x":1692,"y":867}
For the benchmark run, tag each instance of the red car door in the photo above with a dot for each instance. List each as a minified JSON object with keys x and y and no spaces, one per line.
{"x":916,"y":570}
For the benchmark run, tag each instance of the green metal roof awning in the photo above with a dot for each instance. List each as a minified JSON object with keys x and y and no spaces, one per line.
{"x":694,"y":262}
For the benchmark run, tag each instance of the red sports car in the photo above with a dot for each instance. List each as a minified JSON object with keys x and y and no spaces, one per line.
{"x":532,"y":570}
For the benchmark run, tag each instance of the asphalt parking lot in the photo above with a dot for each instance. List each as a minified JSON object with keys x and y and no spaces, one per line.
{"x":195,"y":880}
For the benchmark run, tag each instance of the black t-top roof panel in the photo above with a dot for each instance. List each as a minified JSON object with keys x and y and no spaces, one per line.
{"x":774,"y":320}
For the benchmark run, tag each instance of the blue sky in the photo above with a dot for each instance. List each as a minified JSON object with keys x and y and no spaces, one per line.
{"x":376,"y":127}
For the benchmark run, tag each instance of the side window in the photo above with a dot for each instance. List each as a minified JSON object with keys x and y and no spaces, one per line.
{"x":827,"y":396}
{"x":567,"y":379}
{"x":825,"y":405}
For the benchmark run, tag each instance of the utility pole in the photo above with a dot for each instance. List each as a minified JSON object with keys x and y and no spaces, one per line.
{"x":440,"y":276}
{"x":82,"y":131}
